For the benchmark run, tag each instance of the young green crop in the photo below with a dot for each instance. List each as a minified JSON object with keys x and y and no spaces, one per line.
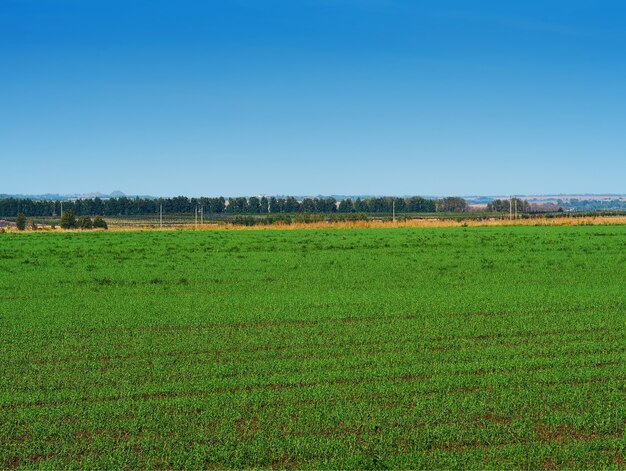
{"x":405,"y":348}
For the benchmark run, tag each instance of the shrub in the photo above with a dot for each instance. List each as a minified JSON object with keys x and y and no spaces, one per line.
{"x":20,"y":222}
{"x":33,"y":225}
{"x":245,"y":220}
{"x":84,"y":222}
{"x":68,"y":220}
{"x":99,"y":223}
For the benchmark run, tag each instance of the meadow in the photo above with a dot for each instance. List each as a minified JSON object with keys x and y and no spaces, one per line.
{"x":410,"y":347}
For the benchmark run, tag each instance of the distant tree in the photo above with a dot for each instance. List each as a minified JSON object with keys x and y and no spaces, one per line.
{"x":99,"y":223}
{"x":33,"y":225}
{"x":292,"y":205}
{"x":452,"y":204}
{"x":277,"y":205}
{"x":507,"y":205}
{"x":498,"y":205}
{"x":10,"y":207}
{"x":237,"y":205}
{"x":360,"y":206}
{"x":254,"y":205}
{"x":84,"y":222}
{"x":20,"y":222}
{"x":346,"y":206}
{"x":378,"y":205}
{"x":264,"y":203}
{"x":244,"y":220}
{"x":97,"y":206}
{"x":400,"y":204}
{"x":68,"y":220}
{"x":417,"y":204}
{"x":178,"y":204}
{"x":308,"y":205}
{"x":326,"y":205}
{"x":219,"y":204}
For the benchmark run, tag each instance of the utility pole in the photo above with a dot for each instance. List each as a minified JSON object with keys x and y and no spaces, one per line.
{"x":515,"y":208}
{"x":393,"y":209}
{"x":511,"y":208}
{"x":201,"y":215}
{"x":161,"y":217}
{"x":61,"y":208}
{"x":196,"y":217}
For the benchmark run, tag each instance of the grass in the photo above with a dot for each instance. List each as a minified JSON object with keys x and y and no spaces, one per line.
{"x":475,"y":347}
{"x":436,"y":220}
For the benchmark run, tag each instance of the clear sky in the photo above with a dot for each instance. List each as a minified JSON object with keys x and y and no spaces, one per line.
{"x":245,"y":97}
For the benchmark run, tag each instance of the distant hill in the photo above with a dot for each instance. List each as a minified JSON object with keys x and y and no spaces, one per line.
{"x":75,"y":196}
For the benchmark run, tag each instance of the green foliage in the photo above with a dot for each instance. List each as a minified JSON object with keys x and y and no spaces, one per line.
{"x":68,"y":220}
{"x":452,"y":204}
{"x":416,"y":204}
{"x":238,"y":205}
{"x":99,"y":223}
{"x":84,"y":222}
{"x":509,"y":205}
{"x":346,"y":206}
{"x":457,"y":348}
{"x":244,"y":220}
{"x":20,"y":222}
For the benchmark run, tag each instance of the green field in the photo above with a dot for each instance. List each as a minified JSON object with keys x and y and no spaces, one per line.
{"x":406,"y":348}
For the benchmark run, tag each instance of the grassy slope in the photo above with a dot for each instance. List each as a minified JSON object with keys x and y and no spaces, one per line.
{"x":477,"y":347}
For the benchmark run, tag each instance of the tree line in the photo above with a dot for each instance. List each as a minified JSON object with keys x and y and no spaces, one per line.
{"x":124,"y":206}
{"x":513,"y":204}
{"x":272,"y":206}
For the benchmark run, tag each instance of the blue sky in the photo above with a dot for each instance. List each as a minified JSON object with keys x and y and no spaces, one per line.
{"x":244,"y":97}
